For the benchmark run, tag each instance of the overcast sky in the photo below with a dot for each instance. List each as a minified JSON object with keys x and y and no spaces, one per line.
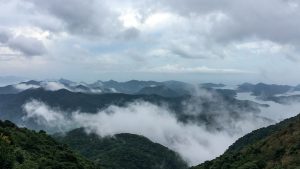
{"x":227,"y":41}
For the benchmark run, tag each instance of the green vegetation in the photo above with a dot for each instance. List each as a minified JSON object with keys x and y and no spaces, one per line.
{"x":21,"y":148}
{"x":274,"y":147}
{"x":123,"y":151}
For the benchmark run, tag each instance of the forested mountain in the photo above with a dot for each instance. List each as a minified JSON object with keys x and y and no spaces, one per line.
{"x":204,"y":107}
{"x":122,"y":151}
{"x":213,"y":108}
{"x":276,"y":146}
{"x":21,"y":148}
{"x":273,"y":147}
{"x":9,"y":89}
{"x":111,"y":86}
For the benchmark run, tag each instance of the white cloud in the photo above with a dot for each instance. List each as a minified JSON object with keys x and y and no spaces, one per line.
{"x":23,"y":86}
{"x":192,"y":141}
{"x":275,"y":111}
{"x":28,"y":46}
{"x":201,"y":69}
{"x":53,"y":86}
{"x":44,"y":115}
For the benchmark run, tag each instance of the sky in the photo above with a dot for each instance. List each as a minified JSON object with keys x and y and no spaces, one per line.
{"x":230,"y":41}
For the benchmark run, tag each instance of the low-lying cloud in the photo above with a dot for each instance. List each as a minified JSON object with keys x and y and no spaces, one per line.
{"x":275,"y":111}
{"x":46,"y":116}
{"x":192,"y":141}
{"x":23,"y":86}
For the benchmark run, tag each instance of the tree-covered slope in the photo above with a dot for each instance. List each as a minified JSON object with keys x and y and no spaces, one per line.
{"x":21,"y":148}
{"x":123,"y":151}
{"x":274,"y":147}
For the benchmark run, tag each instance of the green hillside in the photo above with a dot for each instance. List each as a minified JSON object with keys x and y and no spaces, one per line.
{"x":274,"y":147}
{"x":21,"y":148}
{"x":123,"y":151}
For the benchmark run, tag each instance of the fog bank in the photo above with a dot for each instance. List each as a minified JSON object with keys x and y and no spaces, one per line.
{"x":192,"y":141}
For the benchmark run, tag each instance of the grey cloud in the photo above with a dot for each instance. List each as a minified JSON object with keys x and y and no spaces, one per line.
{"x":209,"y":29}
{"x":242,"y":19}
{"x":186,"y":51}
{"x":76,"y":14}
{"x":4,"y":36}
{"x":195,"y":6}
{"x":26,"y":45}
{"x":90,"y":17}
{"x":130,"y":33}
{"x":275,"y":20}
{"x":272,"y":20}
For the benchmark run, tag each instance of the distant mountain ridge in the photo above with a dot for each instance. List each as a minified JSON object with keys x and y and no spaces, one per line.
{"x":98,"y":87}
{"x":176,"y":88}
{"x":167,"y":88}
{"x":186,"y":102}
{"x":264,"y":90}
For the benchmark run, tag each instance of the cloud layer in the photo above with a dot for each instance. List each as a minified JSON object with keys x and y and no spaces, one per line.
{"x":193,"y":141}
{"x":196,"y":141}
{"x":104,"y":38}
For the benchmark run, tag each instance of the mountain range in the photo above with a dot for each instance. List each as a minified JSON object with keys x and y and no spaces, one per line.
{"x":129,"y":87}
{"x":261,"y":89}
{"x":205,"y":109}
{"x":214,"y":107}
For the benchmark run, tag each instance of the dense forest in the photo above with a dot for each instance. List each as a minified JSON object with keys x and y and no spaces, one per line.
{"x":122,"y":151}
{"x":21,"y":148}
{"x":273,"y":147}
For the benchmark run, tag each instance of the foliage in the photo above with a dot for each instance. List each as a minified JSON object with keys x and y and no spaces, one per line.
{"x":274,"y":147}
{"x":123,"y":151}
{"x":21,"y":148}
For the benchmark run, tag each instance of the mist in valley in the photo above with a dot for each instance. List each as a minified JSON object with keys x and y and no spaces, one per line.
{"x":195,"y":142}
